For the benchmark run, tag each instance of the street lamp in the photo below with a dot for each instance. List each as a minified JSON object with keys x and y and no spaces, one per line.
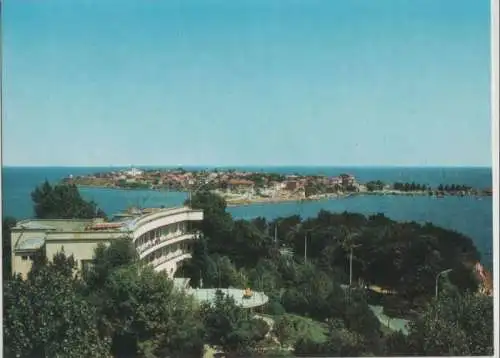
{"x":306,"y":231}
{"x":350,"y":263}
{"x":444,"y":272}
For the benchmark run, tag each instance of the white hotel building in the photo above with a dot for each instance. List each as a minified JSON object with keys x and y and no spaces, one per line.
{"x":162,"y":237}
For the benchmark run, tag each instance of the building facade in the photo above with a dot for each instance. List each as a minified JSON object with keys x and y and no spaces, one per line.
{"x":162,"y":237}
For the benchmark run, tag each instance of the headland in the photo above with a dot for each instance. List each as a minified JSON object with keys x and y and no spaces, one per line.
{"x":246,"y":187}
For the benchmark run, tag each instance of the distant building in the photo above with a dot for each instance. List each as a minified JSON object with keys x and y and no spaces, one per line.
{"x":347,"y":179}
{"x":336,"y":181}
{"x":162,"y":237}
{"x":134,"y":172}
{"x":291,"y":185}
{"x":240,"y":184}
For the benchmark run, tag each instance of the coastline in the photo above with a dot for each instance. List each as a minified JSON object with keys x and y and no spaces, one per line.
{"x":237,"y":200}
{"x":246,"y":202}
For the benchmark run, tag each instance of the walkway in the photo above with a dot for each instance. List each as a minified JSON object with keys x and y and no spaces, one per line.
{"x":396,"y":324}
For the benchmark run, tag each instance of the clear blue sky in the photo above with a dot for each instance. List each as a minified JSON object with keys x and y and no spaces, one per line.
{"x":267,"y":82}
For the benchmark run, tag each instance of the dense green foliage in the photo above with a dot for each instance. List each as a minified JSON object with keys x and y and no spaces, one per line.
{"x":453,"y":187}
{"x":7,"y":224}
{"x":403,"y":257}
{"x":411,"y":186}
{"x":375,"y":185}
{"x":62,"y":201}
{"x":132,"y":185}
{"x":121,"y":308}
{"x":455,"y":324}
{"x":231,"y":327}
{"x":450,"y":188}
{"x":45,"y":316}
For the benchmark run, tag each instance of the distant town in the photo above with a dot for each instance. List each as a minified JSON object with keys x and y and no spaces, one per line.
{"x":244,"y":187}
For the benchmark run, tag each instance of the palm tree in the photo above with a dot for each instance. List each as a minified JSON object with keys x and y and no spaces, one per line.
{"x":348,"y":244}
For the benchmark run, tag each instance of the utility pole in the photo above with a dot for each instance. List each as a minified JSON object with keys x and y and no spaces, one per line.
{"x":352,"y":247}
{"x":350,"y":269}
{"x":305,"y":248}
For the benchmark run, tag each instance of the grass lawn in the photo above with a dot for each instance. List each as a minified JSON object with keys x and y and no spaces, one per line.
{"x":307,"y":327}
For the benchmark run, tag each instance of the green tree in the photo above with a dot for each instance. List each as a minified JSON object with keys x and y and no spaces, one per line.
{"x":119,"y":253}
{"x":454,"y":325}
{"x":44,"y":316}
{"x":284,"y":330}
{"x":7,"y":224}
{"x":340,"y":342}
{"x":463,"y":278}
{"x":360,"y":319}
{"x":231,"y":328}
{"x":62,"y":201}
{"x":248,"y":244}
{"x":217,"y":224}
{"x":147,"y":317}
{"x":227,"y":274}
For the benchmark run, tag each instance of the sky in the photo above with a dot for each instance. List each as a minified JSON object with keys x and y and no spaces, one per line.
{"x":261,"y":82}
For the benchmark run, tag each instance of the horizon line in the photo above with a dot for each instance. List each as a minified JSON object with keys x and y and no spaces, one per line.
{"x":215,"y":166}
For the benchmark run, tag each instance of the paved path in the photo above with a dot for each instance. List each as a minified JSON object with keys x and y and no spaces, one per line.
{"x":396,"y":324}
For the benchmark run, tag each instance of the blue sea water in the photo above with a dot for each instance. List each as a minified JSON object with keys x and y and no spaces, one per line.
{"x":467,"y":215}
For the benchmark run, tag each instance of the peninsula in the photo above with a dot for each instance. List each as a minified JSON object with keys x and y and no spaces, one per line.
{"x":246,"y":187}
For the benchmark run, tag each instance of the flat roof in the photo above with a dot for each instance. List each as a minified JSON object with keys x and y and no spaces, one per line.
{"x":126,"y":222}
{"x":208,"y":295}
{"x":54,"y":224}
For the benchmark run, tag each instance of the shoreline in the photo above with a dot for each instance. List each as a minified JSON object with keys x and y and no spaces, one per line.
{"x":233,"y":201}
{"x":254,"y":201}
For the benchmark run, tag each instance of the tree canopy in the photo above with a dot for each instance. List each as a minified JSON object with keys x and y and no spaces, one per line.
{"x":125,"y":308}
{"x":45,"y":316}
{"x":455,"y":324}
{"x":231,"y":327}
{"x":7,"y":224}
{"x":62,"y":201}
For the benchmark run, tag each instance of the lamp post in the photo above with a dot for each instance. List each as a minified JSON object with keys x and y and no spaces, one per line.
{"x":306,"y":231}
{"x":350,"y":263}
{"x":305,"y":247}
{"x":444,"y":272}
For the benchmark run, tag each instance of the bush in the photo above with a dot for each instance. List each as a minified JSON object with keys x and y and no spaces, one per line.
{"x":274,"y":308}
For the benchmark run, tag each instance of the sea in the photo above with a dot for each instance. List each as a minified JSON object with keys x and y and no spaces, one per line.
{"x":468,"y":215}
